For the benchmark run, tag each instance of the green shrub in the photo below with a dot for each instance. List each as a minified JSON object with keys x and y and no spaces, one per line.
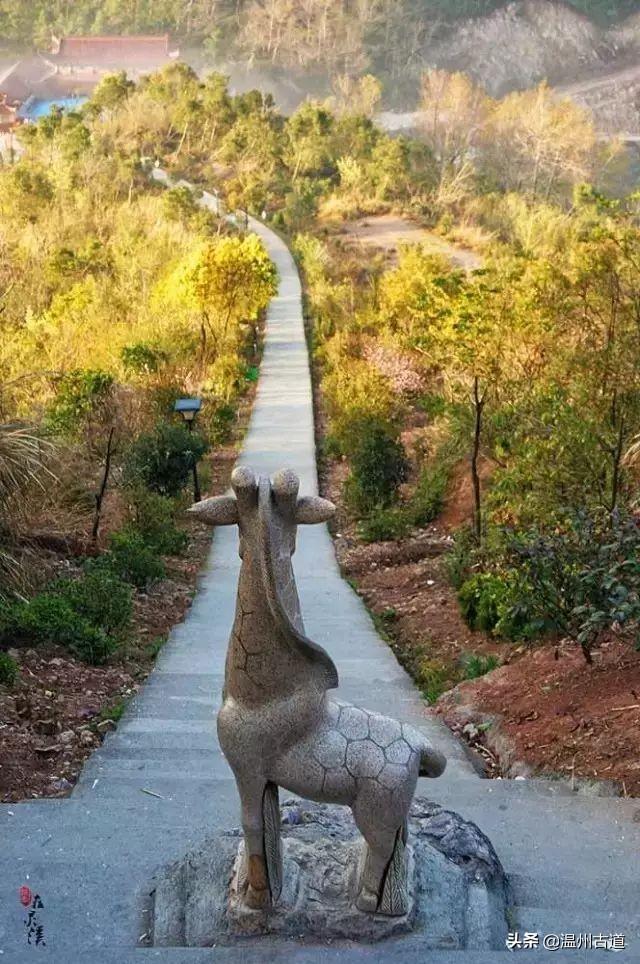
{"x":180,"y":204}
{"x":114,"y":712}
{"x":101,"y":598}
{"x":433,"y":679}
{"x":154,"y":519}
{"x":51,"y":618}
{"x":163,"y":459}
{"x":221,"y":424}
{"x":130,"y":559}
{"x":519,"y":618}
{"x":462,"y":556}
{"x":378,"y":468}
{"x":581,"y":580}
{"x":501,"y":604}
{"x":476,"y":665}
{"x":89,"y":615}
{"x":482,"y":600}
{"x":358,"y":398}
{"x":382,"y":525}
{"x":7,"y":620}
{"x":8,"y":670}
{"x":432,"y":404}
{"x":142,"y":358}
{"x":79,"y":394}
{"x":428,"y":499}
{"x":90,"y":644}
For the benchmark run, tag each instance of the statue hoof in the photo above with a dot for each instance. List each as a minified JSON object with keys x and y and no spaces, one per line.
{"x":257,"y":899}
{"x":367,"y":901}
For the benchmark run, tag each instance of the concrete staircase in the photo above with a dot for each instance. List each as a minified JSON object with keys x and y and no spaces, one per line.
{"x":159,"y":784}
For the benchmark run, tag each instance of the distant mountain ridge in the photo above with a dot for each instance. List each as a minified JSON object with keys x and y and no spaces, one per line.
{"x":599,"y":11}
{"x":526,"y":41}
{"x":522,"y":43}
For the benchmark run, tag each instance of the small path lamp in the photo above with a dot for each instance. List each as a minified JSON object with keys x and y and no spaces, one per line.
{"x":188,"y":408}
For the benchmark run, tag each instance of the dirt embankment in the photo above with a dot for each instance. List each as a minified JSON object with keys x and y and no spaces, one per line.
{"x":60,"y":708}
{"x":554,"y":714}
{"x":543,"y":710}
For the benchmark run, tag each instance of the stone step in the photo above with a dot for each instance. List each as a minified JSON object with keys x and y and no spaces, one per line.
{"x":548,"y":797}
{"x":87,"y":903}
{"x":605,"y":868}
{"x":486,"y":802}
{"x":544,"y":894}
{"x":593,"y":906}
{"x":386,"y":953}
{"x":208,"y":766}
{"x":172,"y":707}
{"x":189,"y":792}
{"x":79,"y":824}
{"x":577,"y":920}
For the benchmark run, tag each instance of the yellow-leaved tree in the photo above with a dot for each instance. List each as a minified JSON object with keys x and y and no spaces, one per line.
{"x":222,"y":284}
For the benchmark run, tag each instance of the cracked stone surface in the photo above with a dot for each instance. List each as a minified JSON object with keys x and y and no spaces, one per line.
{"x":458,"y":888}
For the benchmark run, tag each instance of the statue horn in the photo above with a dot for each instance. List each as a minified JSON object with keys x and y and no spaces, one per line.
{"x":221,"y":510}
{"x":311,"y":509}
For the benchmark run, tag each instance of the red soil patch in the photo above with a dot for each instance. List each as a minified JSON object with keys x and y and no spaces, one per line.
{"x":562,"y":715}
{"x":424,"y":604}
{"x":458,"y":507}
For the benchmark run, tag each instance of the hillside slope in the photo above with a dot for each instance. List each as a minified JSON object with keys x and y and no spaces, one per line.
{"x":525,"y":42}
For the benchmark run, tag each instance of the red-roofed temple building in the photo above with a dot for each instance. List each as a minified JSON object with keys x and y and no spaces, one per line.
{"x":67,"y":75}
{"x":88,"y":57}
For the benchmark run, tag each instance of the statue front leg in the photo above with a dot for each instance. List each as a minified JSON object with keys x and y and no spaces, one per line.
{"x":263,"y":849}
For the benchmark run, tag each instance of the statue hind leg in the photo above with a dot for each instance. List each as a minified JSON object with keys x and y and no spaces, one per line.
{"x":383,"y":886}
{"x":262,"y":877}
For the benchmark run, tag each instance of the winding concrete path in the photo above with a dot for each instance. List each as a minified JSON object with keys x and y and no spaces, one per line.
{"x":160,"y":783}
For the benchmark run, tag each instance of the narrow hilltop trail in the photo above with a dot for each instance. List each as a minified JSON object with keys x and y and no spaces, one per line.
{"x":159,"y":784}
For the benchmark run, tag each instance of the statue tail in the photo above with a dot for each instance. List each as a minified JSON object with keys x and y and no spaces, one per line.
{"x":432,"y":762}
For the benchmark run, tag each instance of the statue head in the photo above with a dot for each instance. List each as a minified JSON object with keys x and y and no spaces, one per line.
{"x":264,"y":509}
{"x":256,"y":497}
{"x":268,"y":513}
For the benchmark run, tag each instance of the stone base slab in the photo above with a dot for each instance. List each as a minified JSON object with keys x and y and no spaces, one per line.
{"x":458,"y":890}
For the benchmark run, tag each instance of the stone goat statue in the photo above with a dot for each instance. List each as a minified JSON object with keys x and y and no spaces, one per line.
{"x":277,"y":726}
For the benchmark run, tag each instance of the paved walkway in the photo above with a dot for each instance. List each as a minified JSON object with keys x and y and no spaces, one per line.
{"x":159,"y":784}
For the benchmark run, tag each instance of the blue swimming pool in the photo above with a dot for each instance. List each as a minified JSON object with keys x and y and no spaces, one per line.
{"x":34,"y":107}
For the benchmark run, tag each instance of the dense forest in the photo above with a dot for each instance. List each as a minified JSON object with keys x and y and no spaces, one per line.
{"x":117,"y":298}
{"x":196,"y":20}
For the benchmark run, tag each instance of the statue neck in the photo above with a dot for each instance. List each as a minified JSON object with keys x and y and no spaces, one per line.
{"x":252,"y":595}
{"x":261,"y":664}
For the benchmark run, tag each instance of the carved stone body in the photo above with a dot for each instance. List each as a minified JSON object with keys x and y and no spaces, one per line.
{"x":278,"y":727}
